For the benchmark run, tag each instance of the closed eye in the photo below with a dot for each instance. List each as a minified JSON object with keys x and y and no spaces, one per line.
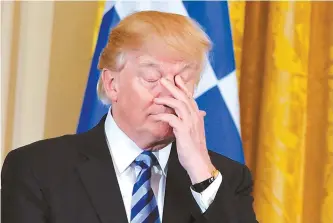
{"x":151,"y":80}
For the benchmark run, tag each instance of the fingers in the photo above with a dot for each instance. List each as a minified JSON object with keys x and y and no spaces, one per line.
{"x":182,"y":102}
{"x":173,"y":121}
{"x":176,"y":92}
{"x":180,"y":108}
{"x":202,"y":113}
{"x":180,"y":84}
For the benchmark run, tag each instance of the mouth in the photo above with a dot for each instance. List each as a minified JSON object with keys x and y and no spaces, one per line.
{"x":164,"y":110}
{"x":157,"y":113}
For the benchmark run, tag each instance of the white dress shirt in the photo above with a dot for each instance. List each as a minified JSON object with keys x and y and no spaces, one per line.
{"x":124,"y":151}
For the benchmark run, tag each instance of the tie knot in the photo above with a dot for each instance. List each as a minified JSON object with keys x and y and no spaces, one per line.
{"x":146,"y":160}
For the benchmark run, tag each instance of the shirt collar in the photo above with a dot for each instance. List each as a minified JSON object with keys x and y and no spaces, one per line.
{"x":124,"y":151}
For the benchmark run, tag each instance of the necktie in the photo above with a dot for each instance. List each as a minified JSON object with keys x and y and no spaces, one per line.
{"x":144,"y":206}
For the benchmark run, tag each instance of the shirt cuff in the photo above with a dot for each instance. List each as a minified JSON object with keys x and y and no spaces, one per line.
{"x":206,"y":198}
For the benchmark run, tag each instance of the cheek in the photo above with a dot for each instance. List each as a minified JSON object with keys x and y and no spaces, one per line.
{"x":141,"y":97}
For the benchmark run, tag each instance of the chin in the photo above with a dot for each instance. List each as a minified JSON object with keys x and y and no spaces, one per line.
{"x":162,"y":130}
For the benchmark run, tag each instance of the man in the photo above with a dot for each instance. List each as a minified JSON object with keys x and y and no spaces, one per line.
{"x":147,"y":160}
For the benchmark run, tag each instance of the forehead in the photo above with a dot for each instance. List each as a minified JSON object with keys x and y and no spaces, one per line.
{"x":164,"y":60}
{"x":167,"y":60}
{"x":158,"y":52}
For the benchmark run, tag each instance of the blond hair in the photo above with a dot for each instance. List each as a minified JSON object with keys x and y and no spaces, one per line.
{"x":177,"y":31}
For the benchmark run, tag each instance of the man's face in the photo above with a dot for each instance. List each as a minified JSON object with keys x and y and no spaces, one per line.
{"x":139,"y":83}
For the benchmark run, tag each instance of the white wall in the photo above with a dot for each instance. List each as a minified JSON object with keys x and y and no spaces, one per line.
{"x":7,"y":14}
{"x":32,"y":71}
{"x":45,"y":59}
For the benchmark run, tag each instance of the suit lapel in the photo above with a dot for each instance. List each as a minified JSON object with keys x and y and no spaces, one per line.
{"x":99,"y":178}
{"x":179,"y":204}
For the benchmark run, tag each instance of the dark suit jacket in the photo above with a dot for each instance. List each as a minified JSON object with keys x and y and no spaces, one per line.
{"x":71,"y":179}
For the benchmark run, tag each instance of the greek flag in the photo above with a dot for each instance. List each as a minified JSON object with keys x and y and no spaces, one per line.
{"x":217,"y":93}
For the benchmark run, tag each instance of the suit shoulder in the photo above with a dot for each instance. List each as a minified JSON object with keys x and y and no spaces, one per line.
{"x":224,"y":161}
{"x":43,"y":147}
{"x":46,"y":158}
{"x":44,"y":153}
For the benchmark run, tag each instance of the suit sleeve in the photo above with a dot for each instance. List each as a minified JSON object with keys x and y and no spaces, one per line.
{"x":232,"y":203}
{"x":244,"y":199}
{"x":21,"y":197}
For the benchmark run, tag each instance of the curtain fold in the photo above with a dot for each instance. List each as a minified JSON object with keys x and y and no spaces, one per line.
{"x":284,"y":57}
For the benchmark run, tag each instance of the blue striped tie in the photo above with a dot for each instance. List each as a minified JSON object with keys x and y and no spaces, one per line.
{"x":144,"y":205}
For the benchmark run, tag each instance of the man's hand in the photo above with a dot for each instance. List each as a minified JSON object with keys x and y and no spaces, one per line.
{"x":188,"y":127}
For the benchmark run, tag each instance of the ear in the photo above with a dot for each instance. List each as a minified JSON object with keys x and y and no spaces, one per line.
{"x":110,"y":84}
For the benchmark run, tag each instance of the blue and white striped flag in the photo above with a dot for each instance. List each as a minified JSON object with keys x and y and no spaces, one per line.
{"x":217,"y":92}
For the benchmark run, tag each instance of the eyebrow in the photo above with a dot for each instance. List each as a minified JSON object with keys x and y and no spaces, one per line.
{"x":148,"y":61}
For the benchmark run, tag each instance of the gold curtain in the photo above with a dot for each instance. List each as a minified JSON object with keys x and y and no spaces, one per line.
{"x":284,"y":57}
